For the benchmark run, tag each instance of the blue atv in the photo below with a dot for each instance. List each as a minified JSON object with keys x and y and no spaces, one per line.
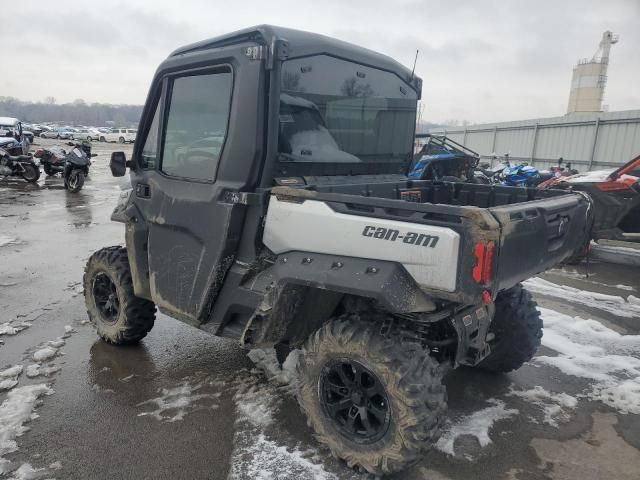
{"x":443,"y":159}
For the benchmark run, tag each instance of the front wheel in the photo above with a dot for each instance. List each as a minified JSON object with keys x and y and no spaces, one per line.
{"x":119,"y":316}
{"x":31,"y":173}
{"x":372,"y":393}
{"x":102,"y":139}
{"x":48,"y":170}
{"x":75,"y":181}
{"x":121,"y":140}
{"x":517,"y":330}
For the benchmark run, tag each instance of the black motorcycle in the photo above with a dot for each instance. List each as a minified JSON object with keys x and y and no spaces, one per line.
{"x":72,"y":164}
{"x":18,"y":166}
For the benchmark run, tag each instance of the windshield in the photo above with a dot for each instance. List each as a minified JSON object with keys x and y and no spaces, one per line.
{"x":332,"y":110}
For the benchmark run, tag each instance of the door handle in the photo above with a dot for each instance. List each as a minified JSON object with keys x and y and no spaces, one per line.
{"x":143,"y":190}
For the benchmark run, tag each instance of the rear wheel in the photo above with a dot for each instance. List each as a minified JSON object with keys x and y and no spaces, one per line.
{"x":75,"y":181}
{"x":102,"y":139}
{"x":372,"y":393}
{"x":31,"y":173}
{"x":517,"y":330}
{"x":119,"y":316}
{"x":121,"y":140}
{"x":48,"y":170}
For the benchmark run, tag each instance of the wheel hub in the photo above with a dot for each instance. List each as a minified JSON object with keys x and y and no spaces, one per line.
{"x":355,"y":400}
{"x":105,"y":296}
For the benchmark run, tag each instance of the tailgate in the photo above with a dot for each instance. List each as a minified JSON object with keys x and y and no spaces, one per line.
{"x":537,"y":235}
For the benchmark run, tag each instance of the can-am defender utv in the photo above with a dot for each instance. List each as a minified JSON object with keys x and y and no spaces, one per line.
{"x":270,"y":205}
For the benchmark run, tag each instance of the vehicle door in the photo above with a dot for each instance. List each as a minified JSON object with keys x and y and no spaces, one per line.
{"x":185,"y":191}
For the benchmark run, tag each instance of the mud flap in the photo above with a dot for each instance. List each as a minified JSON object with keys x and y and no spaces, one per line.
{"x":472,"y":326}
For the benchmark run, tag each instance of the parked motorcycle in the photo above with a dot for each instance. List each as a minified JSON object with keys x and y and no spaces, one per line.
{"x":52,"y":159}
{"x":73,"y":164}
{"x":505,"y":173}
{"x":18,"y":166}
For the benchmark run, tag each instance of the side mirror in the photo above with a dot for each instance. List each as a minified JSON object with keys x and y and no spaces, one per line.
{"x":118,"y":164}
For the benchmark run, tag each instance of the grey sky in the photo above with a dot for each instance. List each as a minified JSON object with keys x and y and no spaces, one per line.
{"x":484,"y":60}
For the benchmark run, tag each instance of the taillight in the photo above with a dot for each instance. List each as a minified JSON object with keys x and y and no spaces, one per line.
{"x":613,"y":186}
{"x":483,"y":252}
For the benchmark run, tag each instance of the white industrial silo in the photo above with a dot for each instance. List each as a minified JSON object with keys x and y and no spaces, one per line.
{"x":590,"y":78}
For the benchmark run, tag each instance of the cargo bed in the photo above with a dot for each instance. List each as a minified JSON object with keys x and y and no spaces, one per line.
{"x":506,"y":234}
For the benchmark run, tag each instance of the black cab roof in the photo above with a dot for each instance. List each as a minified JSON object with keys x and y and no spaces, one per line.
{"x":300,"y":44}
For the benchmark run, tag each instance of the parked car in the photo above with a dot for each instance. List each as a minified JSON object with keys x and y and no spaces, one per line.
{"x":12,"y":136}
{"x":120,"y":135}
{"x":86,"y":134}
{"x":59,"y":133}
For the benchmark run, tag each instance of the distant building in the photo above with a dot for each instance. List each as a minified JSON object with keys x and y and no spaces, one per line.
{"x":590,"y":140}
{"x":590,"y":78}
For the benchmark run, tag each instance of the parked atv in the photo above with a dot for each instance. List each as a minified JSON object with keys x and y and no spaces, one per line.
{"x":442,"y":158}
{"x":18,"y":166}
{"x":299,"y":227}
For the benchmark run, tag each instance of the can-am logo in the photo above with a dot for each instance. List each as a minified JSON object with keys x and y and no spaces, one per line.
{"x":392,"y":235}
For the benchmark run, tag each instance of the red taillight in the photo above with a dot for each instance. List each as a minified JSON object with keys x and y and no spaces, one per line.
{"x":483,"y":252}
{"x":612,"y":186}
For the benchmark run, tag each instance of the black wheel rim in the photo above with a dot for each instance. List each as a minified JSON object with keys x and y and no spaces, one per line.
{"x":105,"y":296}
{"x":29,"y":173}
{"x":355,"y":399}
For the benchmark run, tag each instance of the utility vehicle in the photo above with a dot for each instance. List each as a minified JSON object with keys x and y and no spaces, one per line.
{"x":270,"y":205}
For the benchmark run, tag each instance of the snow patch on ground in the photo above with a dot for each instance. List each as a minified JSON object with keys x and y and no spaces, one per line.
{"x":9,"y":377}
{"x":13,"y":327}
{"x":11,"y":372}
{"x":256,"y":404}
{"x":6,"y":241}
{"x":174,"y":403}
{"x":588,"y":349}
{"x":27,"y":472}
{"x":8,"y":384}
{"x":608,"y":303}
{"x":556,"y":407}
{"x":256,"y":454}
{"x":266,"y":360}
{"x":57,"y":343}
{"x":478,"y":425}
{"x":258,"y":457}
{"x":44,"y":354}
{"x":17,"y":410}
{"x":588,"y":279}
{"x":35,"y":370}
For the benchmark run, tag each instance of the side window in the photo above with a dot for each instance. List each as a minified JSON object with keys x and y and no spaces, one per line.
{"x":150,"y":147}
{"x":196,"y":125}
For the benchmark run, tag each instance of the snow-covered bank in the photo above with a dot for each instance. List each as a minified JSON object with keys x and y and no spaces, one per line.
{"x":613,"y":304}
{"x":16,"y":412}
{"x":588,"y":349}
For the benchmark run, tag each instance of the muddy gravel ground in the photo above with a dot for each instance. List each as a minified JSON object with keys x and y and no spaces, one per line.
{"x":183,"y":404}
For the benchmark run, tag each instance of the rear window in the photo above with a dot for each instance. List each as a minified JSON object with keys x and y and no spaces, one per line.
{"x":333,"y":110}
